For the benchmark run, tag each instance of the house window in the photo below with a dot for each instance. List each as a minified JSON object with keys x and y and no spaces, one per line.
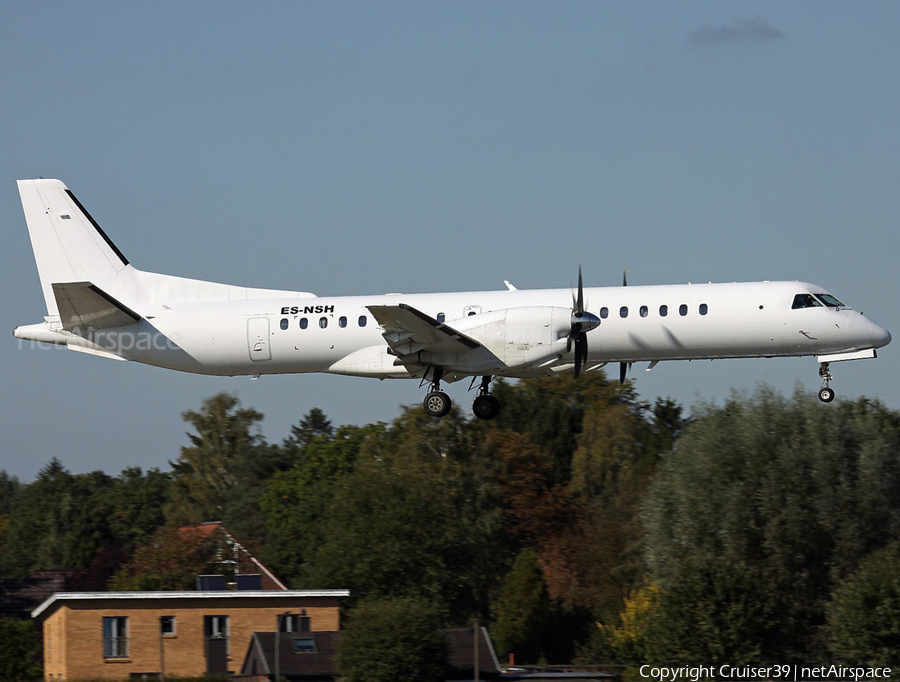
{"x":215,"y":627}
{"x":305,"y":645}
{"x":167,"y":626}
{"x":115,"y":637}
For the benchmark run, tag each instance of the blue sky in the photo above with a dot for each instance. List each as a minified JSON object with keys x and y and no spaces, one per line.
{"x":351,"y":148}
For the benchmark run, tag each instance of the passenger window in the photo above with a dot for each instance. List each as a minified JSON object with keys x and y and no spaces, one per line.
{"x":703,"y":309}
{"x":604,"y":312}
{"x":623,"y":311}
{"x":342,"y":321}
{"x":441,"y":317}
{"x":304,"y":323}
{"x":362,"y":320}
{"x":644,"y":311}
{"x":682,"y":309}
{"x":323,"y":322}
{"x":663,"y":310}
{"x":805,"y":301}
{"x":284,"y":323}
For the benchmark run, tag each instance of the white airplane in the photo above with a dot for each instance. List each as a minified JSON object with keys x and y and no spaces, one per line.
{"x":98,"y":303}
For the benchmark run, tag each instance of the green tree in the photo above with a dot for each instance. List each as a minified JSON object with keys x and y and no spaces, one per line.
{"x":136,"y":504}
{"x":41,"y":520}
{"x":550,"y":411}
{"x":10,"y":493}
{"x":414,"y":518}
{"x":393,"y":639}
{"x":865,"y":611}
{"x":296,"y":501}
{"x":611,"y":470}
{"x":313,"y":425}
{"x":713,"y":612}
{"x":523,"y":611}
{"x":204,"y":472}
{"x":20,"y":652}
{"x":796,"y":491}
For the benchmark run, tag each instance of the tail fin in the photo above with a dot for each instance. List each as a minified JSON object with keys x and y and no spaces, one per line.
{"x":69,"y":245}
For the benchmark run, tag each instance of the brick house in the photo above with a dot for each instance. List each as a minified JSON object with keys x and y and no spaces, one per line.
{"x":117,"y":635}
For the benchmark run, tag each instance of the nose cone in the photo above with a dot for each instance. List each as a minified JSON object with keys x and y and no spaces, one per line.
{"x":879,"y":335}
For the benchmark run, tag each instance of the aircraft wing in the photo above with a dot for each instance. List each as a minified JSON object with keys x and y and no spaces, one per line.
{"x":409,"y":331}
{"x":85,"y":306}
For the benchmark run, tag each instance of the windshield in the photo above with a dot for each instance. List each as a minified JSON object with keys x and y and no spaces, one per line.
{"x":805,"y":301}
{"x":830,"y":301}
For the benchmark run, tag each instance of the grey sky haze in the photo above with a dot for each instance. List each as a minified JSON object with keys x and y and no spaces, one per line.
{"x":348,"y":148}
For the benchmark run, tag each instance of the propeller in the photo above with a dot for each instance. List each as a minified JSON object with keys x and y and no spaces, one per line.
{"x":582,"y":323}
{"x":624,"y":366}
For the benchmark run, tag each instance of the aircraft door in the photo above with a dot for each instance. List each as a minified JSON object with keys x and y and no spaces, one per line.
{"x":258,"y":339}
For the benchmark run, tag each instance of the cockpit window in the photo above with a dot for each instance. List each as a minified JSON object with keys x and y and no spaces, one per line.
{"x":805,"y":301}
{"x":830,"y":301}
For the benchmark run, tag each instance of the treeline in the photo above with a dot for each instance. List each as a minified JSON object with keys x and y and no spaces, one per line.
{"x":582,"y":524}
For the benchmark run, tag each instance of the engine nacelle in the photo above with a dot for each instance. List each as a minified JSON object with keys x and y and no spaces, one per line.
{"x":520,"y":337}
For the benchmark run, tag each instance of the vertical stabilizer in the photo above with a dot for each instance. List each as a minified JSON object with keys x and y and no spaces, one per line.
{"x":69,"y":245}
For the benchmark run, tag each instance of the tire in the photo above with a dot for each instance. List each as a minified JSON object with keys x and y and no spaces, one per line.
{"x":826,"y":395}
{"x":486,"y":407}
{"x":437,"y":403}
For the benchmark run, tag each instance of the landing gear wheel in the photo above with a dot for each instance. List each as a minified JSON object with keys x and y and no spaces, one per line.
{"x":486,"y":407}
{"x":826,"y":395}
{"x":437,"y":403}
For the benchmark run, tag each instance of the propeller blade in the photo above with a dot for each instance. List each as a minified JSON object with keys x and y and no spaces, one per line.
{"x":580,"y":351}
{"x":582,"y":323}
{"x":623,"y":368}
{"x":579,"y":304}
{"x":624,"y":277}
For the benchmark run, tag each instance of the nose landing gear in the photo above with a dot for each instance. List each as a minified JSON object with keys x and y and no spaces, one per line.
{"x":485,"y":406}
{"x":826,"y":393}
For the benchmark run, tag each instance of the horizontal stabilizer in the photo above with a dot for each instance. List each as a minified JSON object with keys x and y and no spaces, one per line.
{"x":85,"y":306}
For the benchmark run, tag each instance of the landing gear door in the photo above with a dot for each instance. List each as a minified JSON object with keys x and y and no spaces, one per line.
{"x":258,"y":339}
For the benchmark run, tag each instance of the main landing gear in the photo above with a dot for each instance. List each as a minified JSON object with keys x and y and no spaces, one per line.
{"x":485,"y":406}
{"x":437,"y":403}
{"x":826,"y":393}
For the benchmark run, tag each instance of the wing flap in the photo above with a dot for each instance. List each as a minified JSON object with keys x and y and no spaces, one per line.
{"x":408,"y":331}
{"x":85,"y":306}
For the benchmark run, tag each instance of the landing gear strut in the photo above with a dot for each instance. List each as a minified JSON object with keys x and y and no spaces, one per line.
{"x":826,"y":394}
{"x":437,"y":403}
{"x":485,"y":406}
